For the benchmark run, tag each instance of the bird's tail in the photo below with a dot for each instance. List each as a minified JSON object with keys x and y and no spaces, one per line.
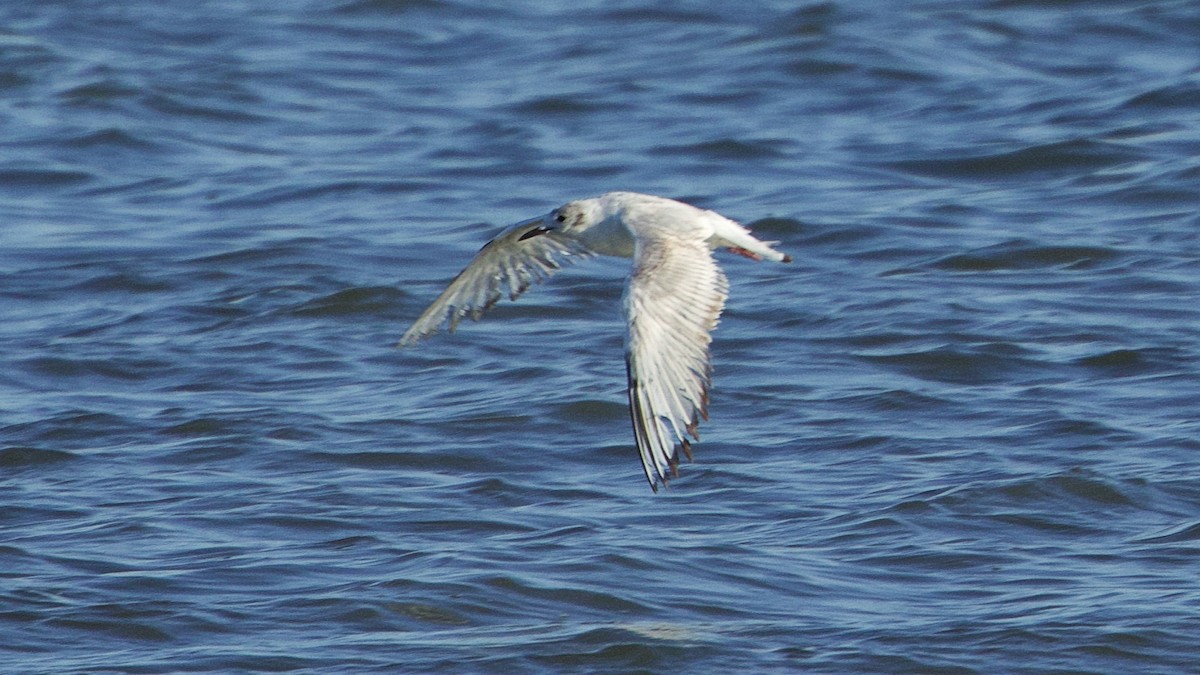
{"x":731,"y":235}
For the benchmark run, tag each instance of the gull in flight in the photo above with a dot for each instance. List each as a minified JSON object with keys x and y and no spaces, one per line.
{"x":672,"y":300}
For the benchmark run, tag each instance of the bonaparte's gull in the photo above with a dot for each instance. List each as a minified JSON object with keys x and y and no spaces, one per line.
{"x":672,"y":300}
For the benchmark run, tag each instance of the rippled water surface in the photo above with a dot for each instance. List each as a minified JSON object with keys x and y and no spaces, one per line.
{"x":958,"y":434}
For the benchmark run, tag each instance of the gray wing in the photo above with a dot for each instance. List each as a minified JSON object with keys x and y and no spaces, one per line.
{"x":672,"y":302}
{"x":521,"y":255}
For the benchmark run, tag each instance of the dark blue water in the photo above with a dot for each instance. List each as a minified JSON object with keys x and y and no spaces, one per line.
{"x":959,"y":434}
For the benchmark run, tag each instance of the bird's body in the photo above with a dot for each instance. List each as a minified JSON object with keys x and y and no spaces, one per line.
{"x":673,"y":299}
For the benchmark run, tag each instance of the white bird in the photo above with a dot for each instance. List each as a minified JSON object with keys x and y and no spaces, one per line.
{"x":672,"y":300}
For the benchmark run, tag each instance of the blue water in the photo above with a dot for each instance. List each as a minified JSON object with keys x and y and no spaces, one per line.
{"x":958,"y":435}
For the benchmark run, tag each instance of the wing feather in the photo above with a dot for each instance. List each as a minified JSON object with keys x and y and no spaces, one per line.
{"x":521,"y":255}
{"x":673,"y":301}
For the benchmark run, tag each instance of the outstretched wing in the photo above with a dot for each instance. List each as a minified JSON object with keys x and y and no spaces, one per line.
{"x":519,"y":256}
{"x":672,"y":302}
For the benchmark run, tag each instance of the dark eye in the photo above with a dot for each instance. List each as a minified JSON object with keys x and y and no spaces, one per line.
{"x":561,"y":217}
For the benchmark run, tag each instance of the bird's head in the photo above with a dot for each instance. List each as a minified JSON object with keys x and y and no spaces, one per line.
{"x":583,"y":221}
{"x":573,"y":217}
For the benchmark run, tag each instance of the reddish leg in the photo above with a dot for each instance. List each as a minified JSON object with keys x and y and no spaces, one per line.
{"x":743,"y":252}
